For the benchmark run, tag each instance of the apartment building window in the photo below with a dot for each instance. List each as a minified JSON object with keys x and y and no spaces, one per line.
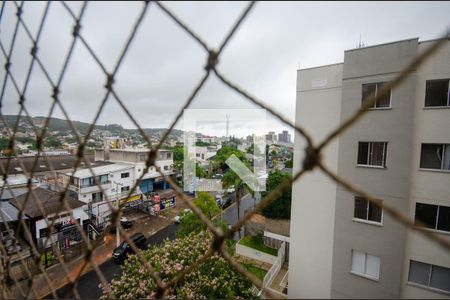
{"x":125,"y":175}
{"x":433,"y":216}
{"x":372,"y":154}
{"x":375,"y":88}
{"x":435,"y":156}
{"x":97,"y":197}
{"x":124,"y":188}
{"x":86,"y":182}
{"x":429,"y":275}
{"x":437,"y":93}
{"x":142,"y":157}
{"x":103,"y":179}
{"x":365,"y":264}
{"x":166,"y":168}
{"x":364,"y":210}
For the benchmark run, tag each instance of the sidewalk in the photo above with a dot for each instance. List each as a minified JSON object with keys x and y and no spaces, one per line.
{"x":59,"y":278}
{"x":102,"y":253}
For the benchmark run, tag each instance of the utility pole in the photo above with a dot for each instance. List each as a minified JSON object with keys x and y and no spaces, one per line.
{"x":118,"y":214}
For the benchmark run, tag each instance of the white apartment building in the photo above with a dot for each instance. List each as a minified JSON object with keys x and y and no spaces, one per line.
{"x":342,"y":246}
{"x":152,"y":179}
{"x":116,"y":180}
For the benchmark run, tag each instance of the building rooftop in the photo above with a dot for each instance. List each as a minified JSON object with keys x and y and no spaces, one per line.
{"x":50,"y":201}
{"x":8,"y":213}
{"x":135,"y":150}
{"x":21,"y":165}
{"x":278,"y":226}
{"x":100,"y":170}
{"x":9,"y":193}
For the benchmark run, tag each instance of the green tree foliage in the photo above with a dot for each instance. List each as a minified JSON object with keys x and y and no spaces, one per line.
{"x":213,"y":279}
{"x":4,"y":143}
{"x":200,"y":171}
{"x":202,"y":144}
{"x":178,"y":154}
{"x":280,"y":208}
{"x":223,"y":154}
{"x":289,"y":163}
{"x":52,"y":142}
{"x":190,"y":222}
{"x":253,"y":150}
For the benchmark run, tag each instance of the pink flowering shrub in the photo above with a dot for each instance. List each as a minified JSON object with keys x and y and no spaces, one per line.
{"x":215,"y":278}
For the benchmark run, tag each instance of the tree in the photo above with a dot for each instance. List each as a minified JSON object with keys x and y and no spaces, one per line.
{"x":289,"y":163}
{"x":223,"y":154}
{"x":4,"y":144}
{"x":202,"y":144}
{"x":52,"y":142}
{"x":230,"y":178}
{"x":280,"y":208}
{"x":200,"y":171}
{"x":190,"y":222}
{"x":178,"y":155}
{"x":215,"y":278}
{"x":253,"y":150}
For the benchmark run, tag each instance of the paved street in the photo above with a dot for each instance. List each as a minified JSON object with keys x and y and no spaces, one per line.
{"x":88,"y":284}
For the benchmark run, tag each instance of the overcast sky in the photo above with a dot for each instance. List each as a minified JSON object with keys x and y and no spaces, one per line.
{"x":164,"y":64}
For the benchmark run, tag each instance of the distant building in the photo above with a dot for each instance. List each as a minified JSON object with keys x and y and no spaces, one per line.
{"x":284,"y":137}
{"x":271,"y":137}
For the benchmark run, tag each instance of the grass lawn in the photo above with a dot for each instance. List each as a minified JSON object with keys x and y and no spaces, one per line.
{"x":256,"y":242}
{"x":260,"y":273}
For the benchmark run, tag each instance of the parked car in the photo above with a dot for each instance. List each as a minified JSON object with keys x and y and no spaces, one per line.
{"x":219,"y":199}
{"x":231,"y":189}
{"x":12,"y":246}
{"x":126,"y":224}
{"x":121,"y":252}
{"x":226,"y":201}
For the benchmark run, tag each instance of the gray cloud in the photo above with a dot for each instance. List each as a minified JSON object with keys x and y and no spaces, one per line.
{"x":164,"y":64}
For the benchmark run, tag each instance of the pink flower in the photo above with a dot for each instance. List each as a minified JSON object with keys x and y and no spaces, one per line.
{"x":178,"y":266}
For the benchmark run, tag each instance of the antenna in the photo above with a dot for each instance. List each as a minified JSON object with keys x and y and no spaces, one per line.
{"x":361,"y":44}
{"x":228,"y":127}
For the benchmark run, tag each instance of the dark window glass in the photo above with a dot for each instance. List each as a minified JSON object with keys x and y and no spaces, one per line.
{"x":419,"y":272}
{"x":426,"y":214}
{"x":444,"y":218}
{"x":437,"y":93}
{"x":43,"y":232}
{"x":431,"y":156}
{"x":124,"y":175}
{"x":386,"y":100}
{"x":378,"y":154}
{"x":125,"y":188}
{"x":360,"y":208}
{"x":363,"y":151}
{"x":97,"y":197}
{"x":440,"y":278}
{"x":374,"y":213}
{"x":367,"y":90}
